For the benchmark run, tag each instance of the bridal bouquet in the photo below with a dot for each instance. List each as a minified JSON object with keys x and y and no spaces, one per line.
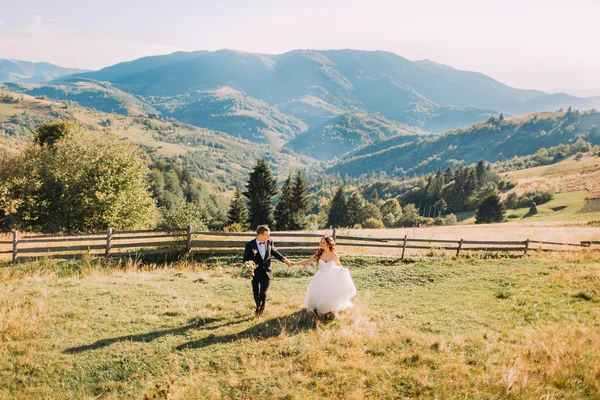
{"x":249,"y":268}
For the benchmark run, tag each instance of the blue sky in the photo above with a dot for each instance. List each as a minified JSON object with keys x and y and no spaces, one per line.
{"x":527,"y":44}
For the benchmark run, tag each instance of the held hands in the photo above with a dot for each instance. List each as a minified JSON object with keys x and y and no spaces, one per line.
{"x":287,"y":262}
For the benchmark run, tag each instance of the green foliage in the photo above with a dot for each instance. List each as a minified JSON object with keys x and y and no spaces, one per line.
{"x":538,"y":197}
{"x":81,"y":182}
{"x":511,"y":142}
{"x":260,"y":190}
{"x":451,"y":219}
{"x":283,"y":210}
{"x":300,"y":202}
{"x":183,"y":215}
{"x":373,"y":223}
{"x":410,"y":215}
{"x":49,"y":134}
{"x":177,"y":191}
{"x":338,"y":210}
{"x":391,"y":212}
{"x":238,"y":213}
{"x":512,"y":201}
{"x":490,"y":210}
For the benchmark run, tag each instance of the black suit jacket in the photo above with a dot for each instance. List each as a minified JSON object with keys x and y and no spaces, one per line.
{"x":263,"y":267}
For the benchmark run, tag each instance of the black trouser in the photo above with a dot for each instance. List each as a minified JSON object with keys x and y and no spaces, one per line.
{"x":260,"y":285}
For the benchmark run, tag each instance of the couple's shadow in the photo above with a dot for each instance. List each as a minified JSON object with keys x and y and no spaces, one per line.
{"x":291,"y":324}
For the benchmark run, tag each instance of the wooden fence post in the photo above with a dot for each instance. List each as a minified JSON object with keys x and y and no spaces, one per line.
{"x":109,"y":232}
{"x":459,"y":247}
{"x":188,"y":244}
{"x":15,"y":254}
{"x":526,"y":246}
{"x":334,"y":234}
{"x":404,"y":246}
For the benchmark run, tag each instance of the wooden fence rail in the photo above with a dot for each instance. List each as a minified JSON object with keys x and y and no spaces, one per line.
{"x":166,"y":240}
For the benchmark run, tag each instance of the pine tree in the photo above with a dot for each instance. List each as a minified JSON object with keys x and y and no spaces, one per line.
{"x":284,"y":208}
{"x":448,"y":175}
{"x":260,"y":190}
{"x":238,"y":214}
{"x":356,"y":209}
{"x":338,"y":210}
{"x":480,"y":172}
{"x":300,"y":202}
{"x":375,"y":197}
{"x":490,"y":210}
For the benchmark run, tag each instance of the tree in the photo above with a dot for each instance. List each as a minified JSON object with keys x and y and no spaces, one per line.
{"x":356,"y":209}
{"x":260,"y":190}
{"x":375,"y":196}
{"x":284,"y":209}
{"x":512,"y":201}
{"x":480,"y":172}
{"x":441,"y":206}
{"x":300,"y":202}
{"x":448,"y":175}
{"x":50,"y":133}
{"x":238,"y":213}
{"x":391,"y":211}
{"x":76,"y":181}
{"x":410,"y":215}
{"x":490,"y":210}
{"x":338,"y":210}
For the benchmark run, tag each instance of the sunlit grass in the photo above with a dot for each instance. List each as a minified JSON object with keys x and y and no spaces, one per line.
{"x":433,"y":327}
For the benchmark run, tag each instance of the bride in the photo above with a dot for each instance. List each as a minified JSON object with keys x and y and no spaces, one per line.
{"x":331,"y":288}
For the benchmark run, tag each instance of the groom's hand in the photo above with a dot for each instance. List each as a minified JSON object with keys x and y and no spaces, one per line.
{"x":287,"y":262}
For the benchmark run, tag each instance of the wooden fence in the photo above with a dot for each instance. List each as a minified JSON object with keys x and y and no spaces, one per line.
{"x":126,"y":243}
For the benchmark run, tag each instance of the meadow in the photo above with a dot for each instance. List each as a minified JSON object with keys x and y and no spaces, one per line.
{"x":428,"y":327}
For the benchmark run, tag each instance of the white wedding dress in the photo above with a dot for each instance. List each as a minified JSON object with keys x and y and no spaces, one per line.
{"x":330,"y":289}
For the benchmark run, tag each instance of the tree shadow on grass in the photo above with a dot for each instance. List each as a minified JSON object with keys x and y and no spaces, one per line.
{"x":290,"y":325}
{"x":194,"y":323}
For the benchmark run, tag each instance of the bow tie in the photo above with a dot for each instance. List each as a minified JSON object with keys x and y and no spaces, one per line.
{"x":261,"y":242}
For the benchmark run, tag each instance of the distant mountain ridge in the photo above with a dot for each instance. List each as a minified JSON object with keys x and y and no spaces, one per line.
{"x":494,"y":140}
{"x":296,"y":99}
{"x":31,"y":72}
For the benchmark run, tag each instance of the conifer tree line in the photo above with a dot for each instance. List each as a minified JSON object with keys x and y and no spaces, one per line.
{"x":348,"y":202}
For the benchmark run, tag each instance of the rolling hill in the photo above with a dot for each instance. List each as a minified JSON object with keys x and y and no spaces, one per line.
{"x":494,"y":140}
{"x":213,"y":157}
{"x":30,"y":72}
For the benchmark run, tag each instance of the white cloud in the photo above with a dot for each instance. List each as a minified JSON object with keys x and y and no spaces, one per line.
{"x":41,"y":25}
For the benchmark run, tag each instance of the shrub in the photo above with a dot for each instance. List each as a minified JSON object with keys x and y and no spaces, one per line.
{"x":451,"y":219}
{"x":490,"y":210}
{"x":512,"y":201}
{"x":539,"y":197}
{"x":235,"y":227}
{"x":439,"y":221}
{"x":373,"y":223}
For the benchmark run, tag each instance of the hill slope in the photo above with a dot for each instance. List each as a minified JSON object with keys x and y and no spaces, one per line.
{"x":29,"y":72}
{"x":211,"y":156}
{"x":491,"y":141}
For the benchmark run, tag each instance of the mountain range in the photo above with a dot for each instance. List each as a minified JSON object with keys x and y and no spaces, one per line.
{"x":30,"y":72}
{"x":324,"y":104}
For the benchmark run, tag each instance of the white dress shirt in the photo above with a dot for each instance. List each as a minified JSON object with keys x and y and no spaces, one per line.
{"x":262,"y":248}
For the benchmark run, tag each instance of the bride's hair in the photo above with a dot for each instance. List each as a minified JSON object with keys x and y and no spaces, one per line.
{"x":330,"y":242}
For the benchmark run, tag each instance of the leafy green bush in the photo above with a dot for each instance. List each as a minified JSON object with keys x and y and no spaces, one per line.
{"x":451,"y":219}
{"x":373,"y":223}
{"x":538,"y":196}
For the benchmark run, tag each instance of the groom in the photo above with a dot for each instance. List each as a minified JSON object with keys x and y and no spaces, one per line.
{"x":260,"y":250}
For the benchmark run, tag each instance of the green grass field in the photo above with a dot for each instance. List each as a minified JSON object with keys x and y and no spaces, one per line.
{"x":433,"y":328}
